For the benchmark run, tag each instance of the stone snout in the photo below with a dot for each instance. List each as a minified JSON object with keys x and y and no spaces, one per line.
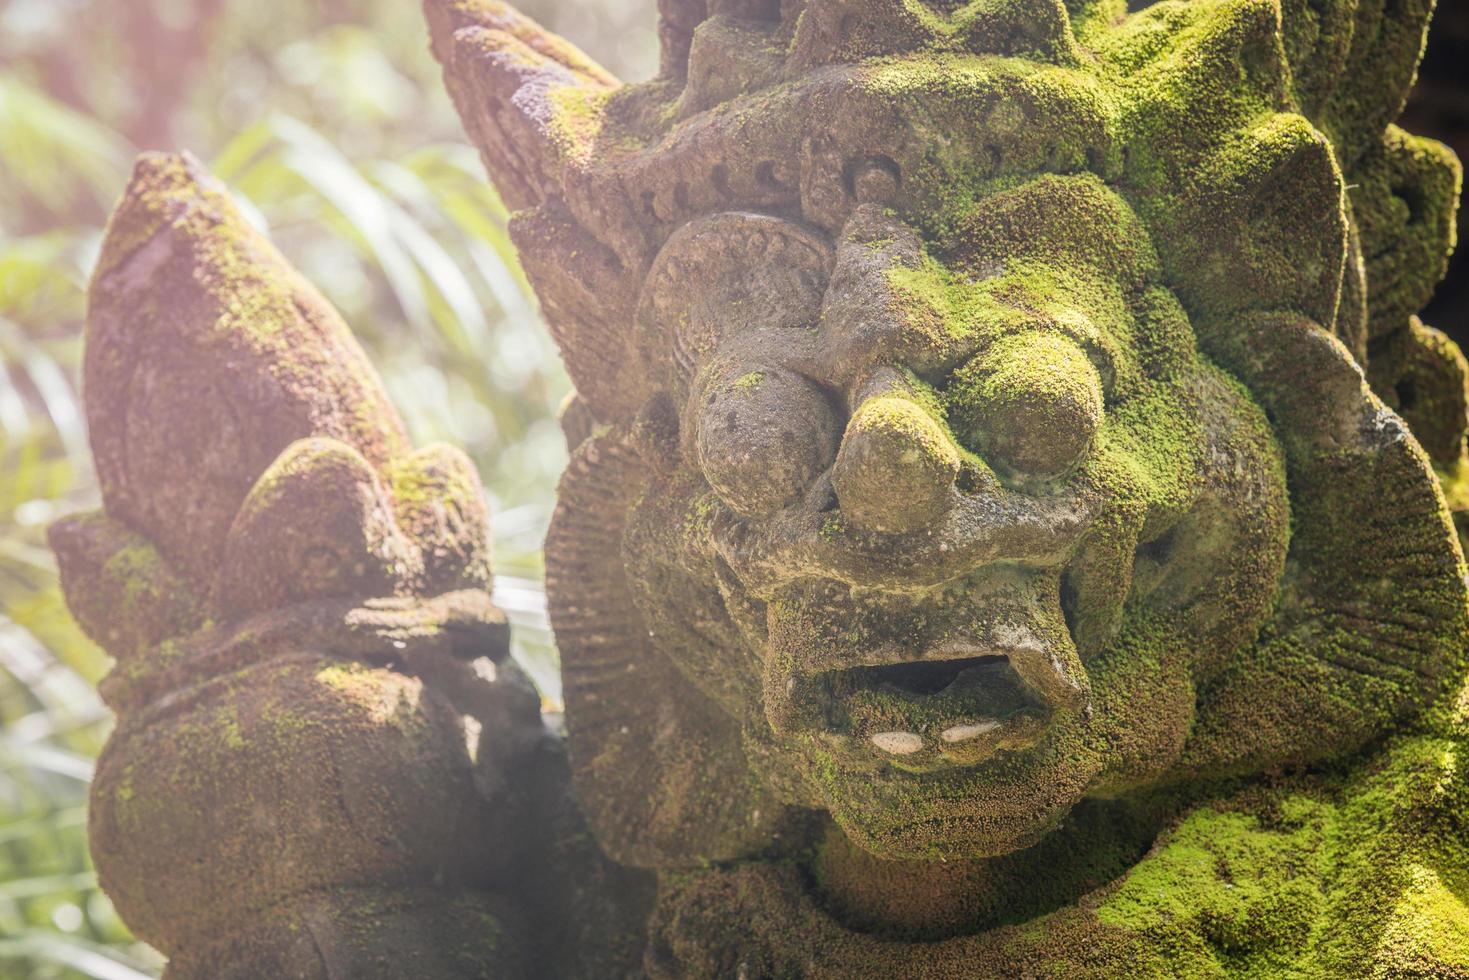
{"x":913,"y":599}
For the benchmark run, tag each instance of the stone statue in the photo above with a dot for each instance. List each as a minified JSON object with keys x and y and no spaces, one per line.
{"x":982,"y":553}
{"x":1010,"y":529}
{"x":325,"y":764}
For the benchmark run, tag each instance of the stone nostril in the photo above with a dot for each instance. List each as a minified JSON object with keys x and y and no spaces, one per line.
{"x":896,"y":468}
{"x":1030,"y":405}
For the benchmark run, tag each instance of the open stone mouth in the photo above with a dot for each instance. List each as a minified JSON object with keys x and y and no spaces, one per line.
{"x":935,"y":713}
{"x":922,"y":677}
{"x":927,"y":682}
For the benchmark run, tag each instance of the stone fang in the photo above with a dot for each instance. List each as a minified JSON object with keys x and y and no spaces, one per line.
{"x":963,"y":733}
{"x":897,"y":743}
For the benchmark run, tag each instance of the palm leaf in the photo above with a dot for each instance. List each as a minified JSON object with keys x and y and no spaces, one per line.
{"x":57,"y":161}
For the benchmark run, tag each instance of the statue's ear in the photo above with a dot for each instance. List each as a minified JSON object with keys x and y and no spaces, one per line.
{"x":1372,"y":621}
{"x":659,"y":765}
{"x":656,"y":746}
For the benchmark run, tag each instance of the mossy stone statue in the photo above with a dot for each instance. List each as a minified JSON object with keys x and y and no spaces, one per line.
{"x":325,"y":763}
{"x":1010,"y":526}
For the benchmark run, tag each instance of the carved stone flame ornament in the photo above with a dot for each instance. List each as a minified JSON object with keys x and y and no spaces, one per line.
{"x":974,"y":469}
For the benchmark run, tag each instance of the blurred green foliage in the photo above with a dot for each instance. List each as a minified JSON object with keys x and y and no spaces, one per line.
{"x":329,"y":121}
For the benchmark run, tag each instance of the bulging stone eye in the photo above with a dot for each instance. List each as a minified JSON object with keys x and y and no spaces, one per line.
{"x":763,"y":436}
{"x":1030,"y":404}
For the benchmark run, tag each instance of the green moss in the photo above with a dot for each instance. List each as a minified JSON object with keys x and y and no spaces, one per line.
{"x":1042,"y":192}
{"x":578,"y":118}
{"x":143,"y":575}
{"x":1253,"y":892}
{"x":233,"y":736}
{"x":747,"y":383}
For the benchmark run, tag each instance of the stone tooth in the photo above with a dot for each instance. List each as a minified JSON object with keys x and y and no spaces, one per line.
{"x":897,"y":743}
{"x":963,"y":733}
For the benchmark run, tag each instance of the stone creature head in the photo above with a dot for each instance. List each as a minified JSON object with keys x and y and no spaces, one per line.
{"x":971,"y":414}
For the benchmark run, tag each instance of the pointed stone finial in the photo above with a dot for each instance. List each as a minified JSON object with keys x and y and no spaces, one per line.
{"x":313,"y":692}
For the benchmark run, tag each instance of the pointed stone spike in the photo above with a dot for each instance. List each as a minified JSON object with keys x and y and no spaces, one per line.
{"x":728,"y":57}
{"x":1405,"y":197}
{"x":1036,"y":27}
{"x":677,"y":20}
{"x":832,"y":31}
{"x":529,"y":99}
{"x":1421,"y":374}
{"x":124,"y":595}
{"x":1318,"y":41}
{"x":1272,"y":198}
{"x":586,"y":296}
{"x":1379,"y":69}
{"x":206,"y":355}
{"x":439,"y":504}
{"x":317,"y":524}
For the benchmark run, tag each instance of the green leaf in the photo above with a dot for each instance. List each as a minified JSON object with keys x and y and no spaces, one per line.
{"x":90,"y":959}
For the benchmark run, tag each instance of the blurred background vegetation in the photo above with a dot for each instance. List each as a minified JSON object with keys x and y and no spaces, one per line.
{"x":329,"y":120}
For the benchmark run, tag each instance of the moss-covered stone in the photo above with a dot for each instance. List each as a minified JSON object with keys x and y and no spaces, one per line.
{"x":325,"y":764}
{"x":1113,"y":515}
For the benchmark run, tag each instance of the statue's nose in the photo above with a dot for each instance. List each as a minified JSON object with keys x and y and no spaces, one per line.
{"x":1030,"y":406}
{"x":897,"y":464}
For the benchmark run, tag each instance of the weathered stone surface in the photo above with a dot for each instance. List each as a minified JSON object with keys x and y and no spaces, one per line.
{"x":1111,"y":526}
{"x":325,"y":763}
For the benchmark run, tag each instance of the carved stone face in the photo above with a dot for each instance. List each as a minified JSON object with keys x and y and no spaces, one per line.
{"x":982,"y":515}
{"x":970,"y":410}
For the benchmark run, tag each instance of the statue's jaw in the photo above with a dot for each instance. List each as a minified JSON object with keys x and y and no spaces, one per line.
{"x":998,"y":806}
{"x":956,"y":753}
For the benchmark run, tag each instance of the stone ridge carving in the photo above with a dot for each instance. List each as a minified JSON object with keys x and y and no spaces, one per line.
{"x":975,"y":482}
{"x":325,"y":764}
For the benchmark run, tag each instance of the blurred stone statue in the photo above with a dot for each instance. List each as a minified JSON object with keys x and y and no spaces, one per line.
{"x":325,"y":763}
{"x":1010,"y":529}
